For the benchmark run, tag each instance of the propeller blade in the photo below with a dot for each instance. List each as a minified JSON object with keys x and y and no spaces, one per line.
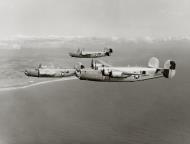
{"x":92,"y":64}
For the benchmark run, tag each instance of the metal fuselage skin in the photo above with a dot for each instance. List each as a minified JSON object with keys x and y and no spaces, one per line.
{"x":50,"y":72}
{"x":145,"y":73}
{"x":89,"y":54}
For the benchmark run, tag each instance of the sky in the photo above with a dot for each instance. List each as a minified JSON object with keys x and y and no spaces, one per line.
{"x":100,"y":18}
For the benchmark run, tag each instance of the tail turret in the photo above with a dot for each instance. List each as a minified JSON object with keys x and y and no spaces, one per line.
{"x":169,"y":69}
{"x":108,"y":51}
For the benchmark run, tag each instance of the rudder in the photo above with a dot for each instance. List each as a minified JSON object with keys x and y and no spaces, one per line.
{"x":169,"y":69}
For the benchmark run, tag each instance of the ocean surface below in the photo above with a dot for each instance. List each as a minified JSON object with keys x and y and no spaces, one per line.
{"x":69,"y":111}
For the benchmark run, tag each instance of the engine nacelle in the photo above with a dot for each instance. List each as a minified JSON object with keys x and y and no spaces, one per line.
{"x":106,"y":72}
{"x":117,"y":74}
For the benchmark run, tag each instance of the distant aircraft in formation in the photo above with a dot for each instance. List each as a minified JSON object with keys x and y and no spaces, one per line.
{"x":91,"y":54}
{"x":100,"y":71}
{"x":44,"y":71}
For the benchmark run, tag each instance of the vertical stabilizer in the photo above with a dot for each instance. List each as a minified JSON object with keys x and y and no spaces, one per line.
{"x":169,"y":69}
{"x":153,"y":62}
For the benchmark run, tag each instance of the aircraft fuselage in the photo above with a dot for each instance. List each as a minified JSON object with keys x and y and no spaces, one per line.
{"x":49,"y":72}
{"x":89,"y":54}
{"x":139,"y":74}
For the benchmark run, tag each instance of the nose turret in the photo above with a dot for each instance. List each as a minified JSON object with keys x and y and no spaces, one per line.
{"x":32,"y":72}
{"x":26,"y":72}
{"x":71,"y":54}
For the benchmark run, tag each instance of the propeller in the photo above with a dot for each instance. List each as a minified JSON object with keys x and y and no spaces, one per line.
{"x":40,"y":65}
{"x":110,"y":74}
{"x":108,"y":53}
{"x":103,"y":71}
{"x":95,"y":66}
{"x":92,"y":64}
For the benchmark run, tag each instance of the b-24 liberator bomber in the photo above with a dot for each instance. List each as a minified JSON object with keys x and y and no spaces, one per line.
{"x":101,"y":71}
{"x":91,"y":54}
{"x":44,"y":71}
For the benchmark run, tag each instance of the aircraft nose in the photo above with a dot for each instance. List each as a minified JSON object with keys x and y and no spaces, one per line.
{"x":71,"y":54}
{"x":78,"y":73}
{"x":31,"y":72}
{"x":26,"y":72}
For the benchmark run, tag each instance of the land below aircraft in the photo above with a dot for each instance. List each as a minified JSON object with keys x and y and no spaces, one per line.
{"x":44,"y":71}
{"x":101,"y":71}
{"x":91,"y":54}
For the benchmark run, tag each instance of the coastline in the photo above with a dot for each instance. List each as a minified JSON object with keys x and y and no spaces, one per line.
{"x":37,"y":83}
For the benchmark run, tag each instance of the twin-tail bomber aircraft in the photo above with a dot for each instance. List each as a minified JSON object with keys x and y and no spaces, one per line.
{"x":43,"y":71}
{"x":91,"y":54}
{"x":101,"y":71}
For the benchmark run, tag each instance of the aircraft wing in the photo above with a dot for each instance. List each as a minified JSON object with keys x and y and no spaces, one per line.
{"x":103,"y":63}
{"x":87,"y":53}
{"x":128,"y":73}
